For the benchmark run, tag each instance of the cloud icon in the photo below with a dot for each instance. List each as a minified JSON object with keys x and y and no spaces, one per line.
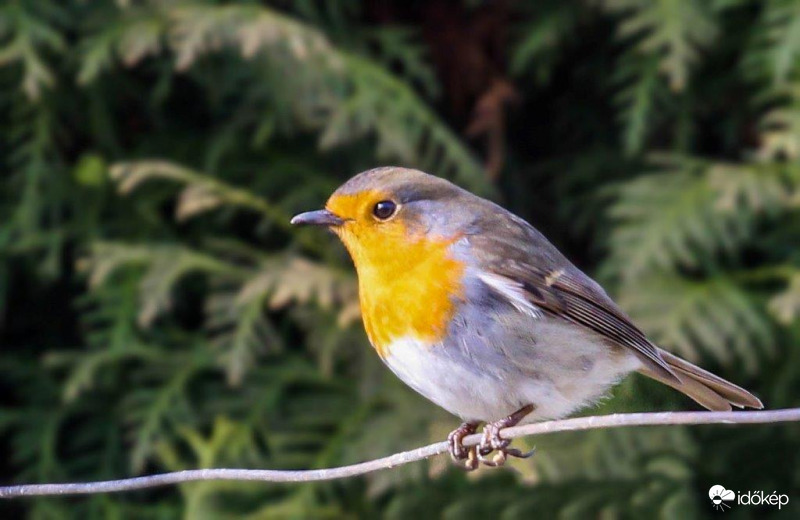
{"x":718,"y":494}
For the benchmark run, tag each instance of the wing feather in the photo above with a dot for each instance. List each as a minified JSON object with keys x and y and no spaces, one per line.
{"x":526,"y":260}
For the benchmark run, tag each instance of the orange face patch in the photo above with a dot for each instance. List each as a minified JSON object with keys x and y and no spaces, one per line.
{"x":408,"y":283}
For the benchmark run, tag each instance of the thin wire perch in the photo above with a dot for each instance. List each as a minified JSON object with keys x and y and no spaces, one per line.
{"x":267,"y":475}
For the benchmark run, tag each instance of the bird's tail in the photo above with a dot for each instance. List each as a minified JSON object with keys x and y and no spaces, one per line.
{"x":709,"y":390}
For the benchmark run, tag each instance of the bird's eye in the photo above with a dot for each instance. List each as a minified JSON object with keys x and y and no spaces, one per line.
{"x":384,"y":209}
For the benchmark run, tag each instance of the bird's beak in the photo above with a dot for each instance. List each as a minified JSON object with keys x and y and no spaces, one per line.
{"x":321,"y":217}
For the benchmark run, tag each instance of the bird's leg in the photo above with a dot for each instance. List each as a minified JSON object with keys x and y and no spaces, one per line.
{"x":460,"y":453}
{"x":492,"y":441}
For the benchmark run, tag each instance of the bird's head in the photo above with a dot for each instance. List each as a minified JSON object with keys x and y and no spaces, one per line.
{"x":392,"y":213}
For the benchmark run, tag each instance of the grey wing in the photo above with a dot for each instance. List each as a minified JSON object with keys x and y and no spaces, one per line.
{"x":524,"y":257}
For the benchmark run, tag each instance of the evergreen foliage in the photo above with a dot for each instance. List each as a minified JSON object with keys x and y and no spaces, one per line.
{"x":157,"y":312}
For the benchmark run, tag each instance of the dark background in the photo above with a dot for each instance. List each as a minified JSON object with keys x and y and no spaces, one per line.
{"x":158,"y":313}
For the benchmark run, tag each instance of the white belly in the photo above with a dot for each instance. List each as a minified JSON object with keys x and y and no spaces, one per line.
{"x":564,"y":369}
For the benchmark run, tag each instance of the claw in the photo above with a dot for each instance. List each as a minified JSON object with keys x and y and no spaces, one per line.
{"x":458,"y":452}
{"x":519,"y":454}
{"x":493,"y":442}
{"x":470,"y":458}
{"x":487,"y":461}
{"x":471,"y":464}
{"x":499,"y":458}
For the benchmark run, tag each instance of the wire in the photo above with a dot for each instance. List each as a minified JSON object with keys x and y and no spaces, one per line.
{"x":266,"y":475}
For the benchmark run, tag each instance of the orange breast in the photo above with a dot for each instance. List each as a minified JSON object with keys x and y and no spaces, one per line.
{"x":407,"y":289}
{"x":413,"y":292}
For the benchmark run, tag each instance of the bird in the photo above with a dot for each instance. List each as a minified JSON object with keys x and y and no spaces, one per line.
{"x":472,"y":307}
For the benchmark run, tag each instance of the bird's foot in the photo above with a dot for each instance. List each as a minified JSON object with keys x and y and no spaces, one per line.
{"x":465,"y":457}
{"x":493,"y":442}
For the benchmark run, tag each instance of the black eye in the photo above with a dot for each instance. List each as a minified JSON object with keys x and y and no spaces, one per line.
{"x":384,"y":209}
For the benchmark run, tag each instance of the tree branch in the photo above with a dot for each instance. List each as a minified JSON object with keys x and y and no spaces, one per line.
{"x":266,"y":475}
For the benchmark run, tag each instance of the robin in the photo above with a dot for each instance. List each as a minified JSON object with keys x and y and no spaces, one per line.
{"x":473,"y":308}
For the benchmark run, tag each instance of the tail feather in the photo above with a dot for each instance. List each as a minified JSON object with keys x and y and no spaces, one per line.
{"x":709,"y":390}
